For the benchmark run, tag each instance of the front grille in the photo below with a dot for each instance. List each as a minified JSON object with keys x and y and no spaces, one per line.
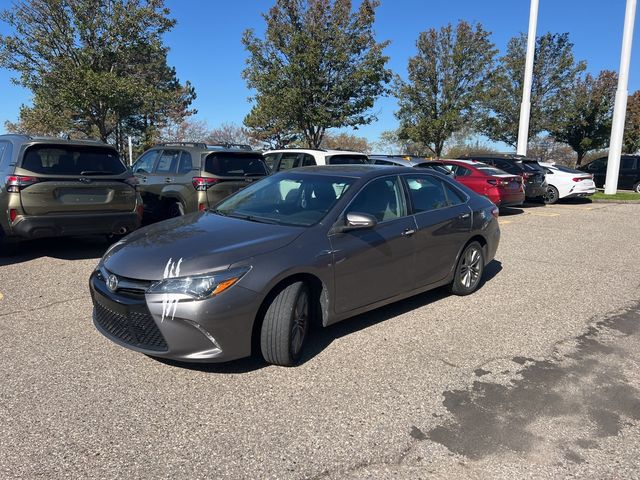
{"x":136,"y":329}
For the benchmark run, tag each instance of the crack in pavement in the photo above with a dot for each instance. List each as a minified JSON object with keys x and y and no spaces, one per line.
{"x":43,"y":307}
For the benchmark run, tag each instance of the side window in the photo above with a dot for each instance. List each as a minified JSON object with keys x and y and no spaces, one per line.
{"x":383,"y":198}
{"x":453,"y":196}
{"x":308,"y":160}
{"x":598,"y":165}
{"x":426,"y":193}
{"x":145,"y":163}
{"x":627,"y":163}
{"x":289,"y":161}
{"x":4,"y":154}
{"x":186,"y":164}
{"x":168,"y":161}
{"x":461,"y":171}
{"x":270,"y":160}
{"x":508,"y":167}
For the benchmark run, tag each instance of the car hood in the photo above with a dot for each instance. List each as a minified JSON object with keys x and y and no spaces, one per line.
{"x":194,"y":244}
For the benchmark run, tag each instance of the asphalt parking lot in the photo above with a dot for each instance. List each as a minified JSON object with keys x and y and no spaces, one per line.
{"x":535,"y":375}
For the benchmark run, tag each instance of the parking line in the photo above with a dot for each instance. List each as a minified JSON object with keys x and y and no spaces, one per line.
{"x":1,"y":296}
{"x":540,"y":214}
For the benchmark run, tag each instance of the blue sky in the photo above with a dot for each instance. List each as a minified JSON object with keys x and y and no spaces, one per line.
{"x":206,"y":48}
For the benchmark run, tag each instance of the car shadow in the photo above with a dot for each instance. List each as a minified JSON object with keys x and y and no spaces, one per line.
{"x":71,"y":248}
{"x":509,"y":211}
{"x":321,"y":338}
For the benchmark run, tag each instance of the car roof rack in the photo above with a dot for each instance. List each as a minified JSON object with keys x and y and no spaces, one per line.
{"x":231,"y":146}
{"x":183,"y":144}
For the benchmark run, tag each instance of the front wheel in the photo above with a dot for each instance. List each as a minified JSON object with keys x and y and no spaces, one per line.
{"x":469,"y":270}
{"x":176,"y":209}
{"x":552,"y":195}
{"x":636,"y":187}
{"x":285,"y":325}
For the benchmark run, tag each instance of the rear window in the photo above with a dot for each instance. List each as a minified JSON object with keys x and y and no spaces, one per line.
{"x":347,"y":160}
{"x":3,"y":149}
{"x":72,"y":160}
{"x":564,"y":169}
{"x":491,"y":171}
{"x":435,"y":166}
{"x":235,"y":164}
{"x":532,"y":166}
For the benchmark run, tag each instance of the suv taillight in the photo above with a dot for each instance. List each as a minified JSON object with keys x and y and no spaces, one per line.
{"x":202,"y":184}
{"x":526,"y":176}
{"x":15,"y":183}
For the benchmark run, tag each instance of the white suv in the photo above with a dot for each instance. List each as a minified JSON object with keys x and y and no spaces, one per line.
{"x":565,"y":182}
{"x":303,"y":157}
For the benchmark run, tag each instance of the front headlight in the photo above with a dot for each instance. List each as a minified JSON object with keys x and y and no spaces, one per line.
{"x":200,"y":287}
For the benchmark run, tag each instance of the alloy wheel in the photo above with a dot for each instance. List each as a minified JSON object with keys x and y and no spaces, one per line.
{"x":300,"y":323}
{"x":470,"y":268}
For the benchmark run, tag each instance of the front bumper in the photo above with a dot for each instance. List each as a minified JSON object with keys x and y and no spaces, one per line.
{"x":66,"y":225}
{"x":218,"y":329}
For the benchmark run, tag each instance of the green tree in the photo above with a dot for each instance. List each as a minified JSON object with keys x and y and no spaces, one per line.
{"x":632,"y":124}
{"x":346,"y":141}
{"x":584,"y":120}
{"x":94,"y":67}
{"x":554,"y":73}
{"x":446,"y":80}
{"x":318,"y":67}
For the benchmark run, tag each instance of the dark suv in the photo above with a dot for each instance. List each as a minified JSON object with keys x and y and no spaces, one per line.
{"x":183,"y":177}
{"x":533,"y":175}
{"x":50,"y":187}
{"x":628,"y":177}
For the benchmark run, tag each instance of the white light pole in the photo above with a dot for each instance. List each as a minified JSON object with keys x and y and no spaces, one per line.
{"x":130,"y":152}
{"x":525,"y":107}
{"x":620,"y":108}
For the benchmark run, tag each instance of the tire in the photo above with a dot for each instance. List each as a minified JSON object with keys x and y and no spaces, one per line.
{"x":285,"y":326}
{"x":176,"y":209}
{"x":636,"y":187}
{"x":552,"y":196}
{"x":471,"y":263}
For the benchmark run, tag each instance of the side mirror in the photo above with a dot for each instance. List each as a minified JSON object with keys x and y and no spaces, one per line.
{"x":358,"y":221}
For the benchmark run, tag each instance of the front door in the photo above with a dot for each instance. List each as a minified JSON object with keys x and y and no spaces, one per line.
{"x":375,"y":264}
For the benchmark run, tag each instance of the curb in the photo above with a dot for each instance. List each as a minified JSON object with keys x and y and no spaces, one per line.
{"x":597,"y":200}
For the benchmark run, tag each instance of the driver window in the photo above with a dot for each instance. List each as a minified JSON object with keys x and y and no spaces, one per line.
{"x":382,"y":198}
{"x":145,"y":163}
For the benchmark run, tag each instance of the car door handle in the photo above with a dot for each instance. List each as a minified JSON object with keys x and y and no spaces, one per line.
{"x":464,"y":216}
{"x":408,"y":232}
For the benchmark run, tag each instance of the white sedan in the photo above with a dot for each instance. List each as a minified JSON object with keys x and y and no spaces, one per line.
{"x":566,"y":182}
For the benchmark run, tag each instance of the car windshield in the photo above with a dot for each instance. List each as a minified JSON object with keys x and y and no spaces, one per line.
{"x":231,"y":164}
{"x":72,"y":160}
{"x":286,"y":199}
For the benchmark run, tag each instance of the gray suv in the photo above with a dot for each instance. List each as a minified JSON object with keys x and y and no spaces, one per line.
{"x":50,"y":187}
{"x":185,"y":177}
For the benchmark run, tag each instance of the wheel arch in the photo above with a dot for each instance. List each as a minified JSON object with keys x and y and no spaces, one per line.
{"x":319,"y":294}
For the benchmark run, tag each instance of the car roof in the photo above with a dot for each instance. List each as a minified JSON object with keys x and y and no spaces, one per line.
{"x":357,"y":171}
{"x":208,"y":147}
{"x":21,"y":139}
{"x":472,"y":163}
{"x":504,"y":156}
{"x":405,"y":159}
{"x":315,"y":150}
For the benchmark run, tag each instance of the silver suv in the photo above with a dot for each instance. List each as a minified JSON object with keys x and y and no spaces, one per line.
{"x":185,"y":177}
{"x":50,"y":187}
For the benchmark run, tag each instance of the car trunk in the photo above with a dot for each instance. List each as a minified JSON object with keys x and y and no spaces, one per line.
{"x":230,"y":172}
{"x":533,"y":173}
{"x":68,"y":179}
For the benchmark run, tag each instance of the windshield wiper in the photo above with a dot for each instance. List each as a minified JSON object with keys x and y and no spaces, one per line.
{"x":252,"y":218}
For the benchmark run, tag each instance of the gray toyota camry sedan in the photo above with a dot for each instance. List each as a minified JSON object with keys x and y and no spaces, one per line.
{"x":315,"y":244}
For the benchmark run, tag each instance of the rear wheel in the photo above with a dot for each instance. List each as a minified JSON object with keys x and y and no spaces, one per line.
{"x":469,"y":270}
{"x":285,"y":325}
{"x":176,"y":209}
{"x":552,"y":195}
{"x":636,"y":187}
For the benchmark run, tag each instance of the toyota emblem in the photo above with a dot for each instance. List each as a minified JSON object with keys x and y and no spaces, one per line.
{"x":112,"y":283}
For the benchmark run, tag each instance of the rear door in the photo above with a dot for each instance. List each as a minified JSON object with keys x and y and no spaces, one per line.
{"x":443,"y":222}
{"x":230,"y":172}
{"x":628,"y":173}
{"x":72,"y":179}
{"x":163,"y":174}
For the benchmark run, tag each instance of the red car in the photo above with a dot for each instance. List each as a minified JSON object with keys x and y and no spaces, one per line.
{"x":503,"y":189}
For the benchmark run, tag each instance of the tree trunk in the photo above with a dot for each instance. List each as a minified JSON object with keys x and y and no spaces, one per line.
{"x":581,"y":155}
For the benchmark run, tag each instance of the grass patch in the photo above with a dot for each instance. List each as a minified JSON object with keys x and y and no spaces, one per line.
{"x":618,"y":196}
